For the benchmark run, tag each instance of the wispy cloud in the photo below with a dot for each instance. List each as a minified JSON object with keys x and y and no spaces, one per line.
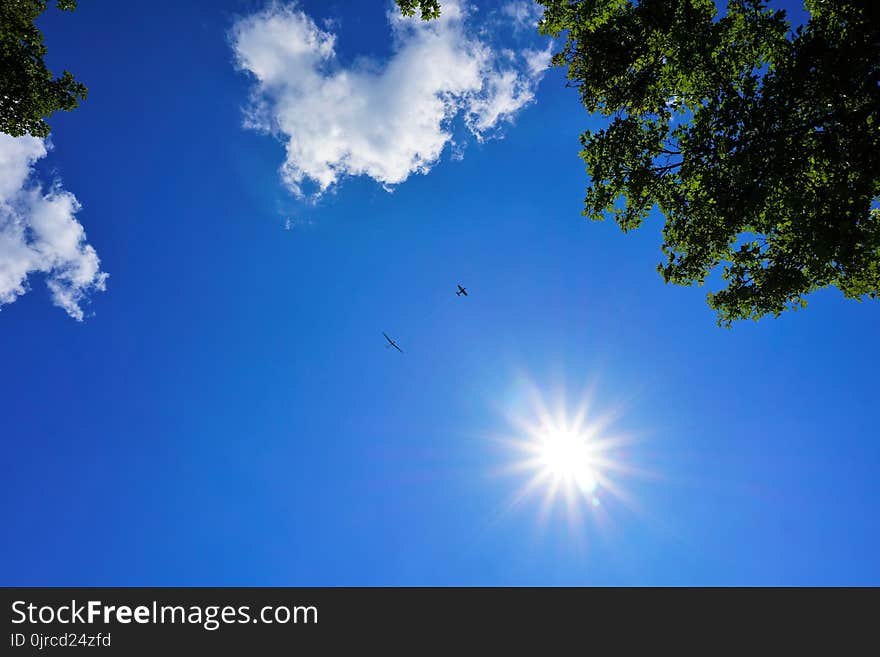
{"x":297,"y":222}
{"x":538,"y":61}
{"x":39,"y":232}
{"x":525,"y":14}
{"x":384,"y":120}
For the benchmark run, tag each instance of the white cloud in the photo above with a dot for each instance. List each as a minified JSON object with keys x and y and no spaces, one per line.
{"x":297,"y":222}
{"x":524,"y":13}
{"x":39,"y":232}
{"x":383,"y":120}
{"x":538,"y":61}
{"x":507,"y":93}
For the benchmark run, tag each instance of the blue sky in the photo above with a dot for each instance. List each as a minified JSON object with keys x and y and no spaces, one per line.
{"x":226,"y":412}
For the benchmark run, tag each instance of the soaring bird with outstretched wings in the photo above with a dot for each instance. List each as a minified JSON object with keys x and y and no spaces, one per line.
{"x":391,"y":343}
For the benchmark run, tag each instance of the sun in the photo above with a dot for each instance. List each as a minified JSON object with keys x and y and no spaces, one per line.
{"x":568,"y":455}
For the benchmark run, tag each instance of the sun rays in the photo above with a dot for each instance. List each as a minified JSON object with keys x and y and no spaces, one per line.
{"x":569,"y":456}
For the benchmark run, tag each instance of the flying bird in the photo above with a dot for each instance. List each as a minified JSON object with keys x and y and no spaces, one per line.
{"x":391,"y":343}
{"x":461,"y":291}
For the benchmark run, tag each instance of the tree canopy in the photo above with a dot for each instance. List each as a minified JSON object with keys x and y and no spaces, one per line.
{"x":759,"y":144}
{"x":429,"y":9}
{"x":29,"y":93}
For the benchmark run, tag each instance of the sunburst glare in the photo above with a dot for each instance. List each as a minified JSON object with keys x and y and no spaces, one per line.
{"x":571,"y":456}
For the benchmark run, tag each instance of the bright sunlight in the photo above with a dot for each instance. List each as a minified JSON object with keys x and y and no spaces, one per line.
{"x":571,"y":455}
{"x":566,"y":456}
